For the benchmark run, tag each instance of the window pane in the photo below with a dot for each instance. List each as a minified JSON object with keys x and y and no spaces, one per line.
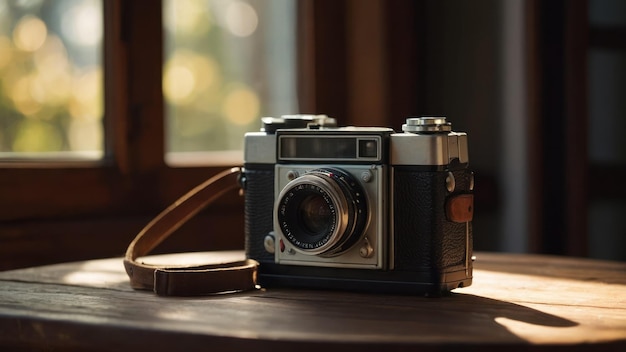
{"x":51,"y":85}
{"x":227,"y":63}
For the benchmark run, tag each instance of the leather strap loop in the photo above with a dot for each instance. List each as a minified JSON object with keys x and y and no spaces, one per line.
{"x":460,"y":208}
{"x":187,"y":280}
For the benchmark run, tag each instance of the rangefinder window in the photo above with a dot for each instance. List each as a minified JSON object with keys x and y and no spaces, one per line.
{"x":368,"y":148}
{"x":329,"y":148}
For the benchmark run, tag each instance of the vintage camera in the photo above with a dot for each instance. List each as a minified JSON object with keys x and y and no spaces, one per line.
{"x":359,"y":208}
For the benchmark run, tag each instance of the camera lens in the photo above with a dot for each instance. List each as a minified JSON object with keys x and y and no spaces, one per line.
{"x":323,"y":212}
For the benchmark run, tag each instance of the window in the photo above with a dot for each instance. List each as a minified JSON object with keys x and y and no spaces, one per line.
{"x":67,"y":208}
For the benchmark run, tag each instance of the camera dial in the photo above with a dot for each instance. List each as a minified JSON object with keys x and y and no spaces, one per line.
{"x":323,"y":212}
{"x":426,"y":125}
{"x":271,"y":124}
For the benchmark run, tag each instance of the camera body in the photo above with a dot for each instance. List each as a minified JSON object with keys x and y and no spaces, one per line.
{"x":359,"y":208}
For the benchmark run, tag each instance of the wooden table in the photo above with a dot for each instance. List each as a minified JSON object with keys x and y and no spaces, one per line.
{"x":517,"y":302}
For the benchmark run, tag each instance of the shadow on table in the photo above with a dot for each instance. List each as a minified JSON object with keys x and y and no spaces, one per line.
{"x":462,"y":318}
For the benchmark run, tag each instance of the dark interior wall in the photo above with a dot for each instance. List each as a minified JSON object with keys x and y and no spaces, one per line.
{"x":607,"y":124}
{"x":462,"y":70}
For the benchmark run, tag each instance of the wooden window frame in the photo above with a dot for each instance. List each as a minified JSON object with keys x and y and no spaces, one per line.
{"x":62,"y":211}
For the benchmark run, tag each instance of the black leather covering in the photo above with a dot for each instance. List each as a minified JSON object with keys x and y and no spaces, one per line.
{"x":424,"y":238}
{"x":259,"y":204}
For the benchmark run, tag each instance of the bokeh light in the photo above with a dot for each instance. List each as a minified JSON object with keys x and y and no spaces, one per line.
{"x":82,"y":24}
{"x":241,"y":106}
{"x":187,"y":75}
{"x":178,"y":83}
{"x":241,"y":19}
{"x":29,"y":33}
{"x":23,"y":94}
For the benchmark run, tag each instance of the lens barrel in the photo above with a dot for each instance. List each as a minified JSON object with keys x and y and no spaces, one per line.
{"x":323,"y":212}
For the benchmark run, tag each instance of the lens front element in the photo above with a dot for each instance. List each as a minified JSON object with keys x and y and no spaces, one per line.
{"x":315,"y":215}
{"x":323,"y":212}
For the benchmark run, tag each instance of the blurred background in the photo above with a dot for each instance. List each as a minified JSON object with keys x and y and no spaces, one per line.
{"x":155,"y":98}
{"x":51,"y":76}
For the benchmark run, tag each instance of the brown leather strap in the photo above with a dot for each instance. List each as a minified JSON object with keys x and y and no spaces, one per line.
{"x":190,"y":280}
